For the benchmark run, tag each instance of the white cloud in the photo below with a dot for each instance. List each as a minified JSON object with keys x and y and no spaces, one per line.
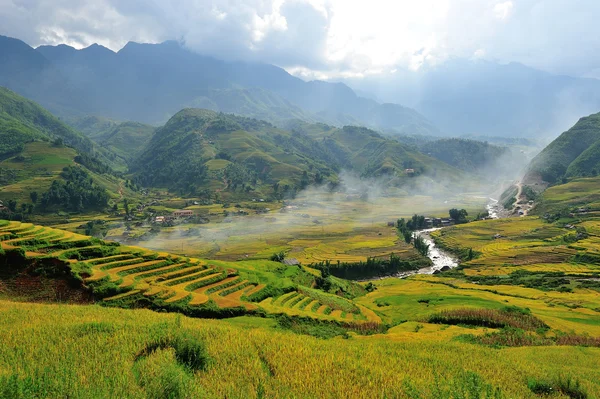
{"x":502,"y":10}
{"x":328,"y":37}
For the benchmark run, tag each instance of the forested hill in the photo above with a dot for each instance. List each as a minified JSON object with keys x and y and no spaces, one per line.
{"x":575,"y":153}
{"x":124,"y":139}
{"x":199,"y":150}
{"x":22,"y":120}
{"x":468,"y":155}
{"x":151,"y":82}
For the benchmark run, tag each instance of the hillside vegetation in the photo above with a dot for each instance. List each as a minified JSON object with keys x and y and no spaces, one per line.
{"x":204,"y":150}
{"x":468,"y":155}
{"x":124,"y":140}
{"x":22,"y":121}
{"x":575,"y":153}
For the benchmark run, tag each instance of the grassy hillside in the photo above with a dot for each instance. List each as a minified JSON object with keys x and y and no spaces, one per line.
{"x":22,"y":121}
{"x":39,"y":164}
{"x":123,"y":139}
{"x":573,"y":154}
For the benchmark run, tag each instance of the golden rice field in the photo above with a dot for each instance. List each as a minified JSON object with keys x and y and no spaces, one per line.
{"x":92,"y":352}
{"x":173,"y":279}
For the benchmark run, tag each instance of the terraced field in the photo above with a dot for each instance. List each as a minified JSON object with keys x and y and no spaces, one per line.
{"x":133,"y":274}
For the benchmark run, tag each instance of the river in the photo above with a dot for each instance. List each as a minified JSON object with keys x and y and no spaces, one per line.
{"x":438,"y":256}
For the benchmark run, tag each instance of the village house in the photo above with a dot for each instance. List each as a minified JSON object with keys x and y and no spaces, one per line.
{"x":409,"y":171}
{"x":184,"y":213}
{"x":159,"y":219}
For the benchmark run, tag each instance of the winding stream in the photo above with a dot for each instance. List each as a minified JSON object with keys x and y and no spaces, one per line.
{"x":438,"y":256}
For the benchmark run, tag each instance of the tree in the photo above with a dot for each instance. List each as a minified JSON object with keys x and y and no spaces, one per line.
{"x":126,"y":206}
{"x":12,"y":205}
{"x":421,"y":246}
{"x":278,"y":257}
{"x":458,"y":215}
{"x":58,"y":142}
{"x":34,"y":196}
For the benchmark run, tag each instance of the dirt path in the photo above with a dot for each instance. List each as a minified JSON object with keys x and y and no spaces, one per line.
{"x":521,"y":206}
{"x":120,"y":190}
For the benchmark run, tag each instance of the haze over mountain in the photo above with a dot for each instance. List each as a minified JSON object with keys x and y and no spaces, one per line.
{"x":151,"y":82}
{"x":478,"y":97}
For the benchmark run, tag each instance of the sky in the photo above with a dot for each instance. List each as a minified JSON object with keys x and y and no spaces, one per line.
{"x":329,"y":38}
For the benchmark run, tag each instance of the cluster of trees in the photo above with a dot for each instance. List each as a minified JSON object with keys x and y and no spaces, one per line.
{"x":77,"y":192}
{"x":373,"y":267}
{"x":93,"y":164}
{"x":239,"y":176}
{"x":421,"y":246}
{"x":407,"y":227}
{"x":14,"y":211}
{"x":404,"y":231}
{"x":458,"y":215}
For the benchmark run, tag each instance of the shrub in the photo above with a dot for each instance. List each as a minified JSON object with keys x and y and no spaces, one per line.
{"x":507,"y":317}
{"x":565,"y":385}
{"x":190,"y":352}
{"x":540,"y":387}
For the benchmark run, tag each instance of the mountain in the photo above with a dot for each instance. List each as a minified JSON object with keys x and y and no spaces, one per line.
{"x":477,"y":97}
{"x":151,"y":82}
{"x":575,"y":153}
{"x":198,"y":150}
{"x":124,"y":139}
{"x":27,"y":72}
{"x":468,"y":155}
{"x":22,"y":121}
{"x":41,"y":154}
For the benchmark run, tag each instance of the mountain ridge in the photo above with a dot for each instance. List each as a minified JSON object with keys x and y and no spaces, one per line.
{"x":151,"y":82}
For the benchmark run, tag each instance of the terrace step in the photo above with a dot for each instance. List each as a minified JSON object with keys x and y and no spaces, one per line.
{"x":161,"y":271}
{"x":168,"y":278}
{"x":108,"y":259}
{"x":237,"y":295}
{"x":234,"y":288}
{"x":256,"y":289}
{"x":202,"y":278}
{"x":123,"y":295}
{"x":219,"y":285}
{"x":61,"y":252}
{"x":303,"y":304}
{"x":190,"y":278}
{"x":10,"y":225}
{"x":131,"y":279}
{"x":280,"y":301}
{"x":179,"y":296}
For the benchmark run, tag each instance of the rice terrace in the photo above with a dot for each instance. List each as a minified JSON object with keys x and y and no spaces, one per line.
{"x":299,"y":199}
